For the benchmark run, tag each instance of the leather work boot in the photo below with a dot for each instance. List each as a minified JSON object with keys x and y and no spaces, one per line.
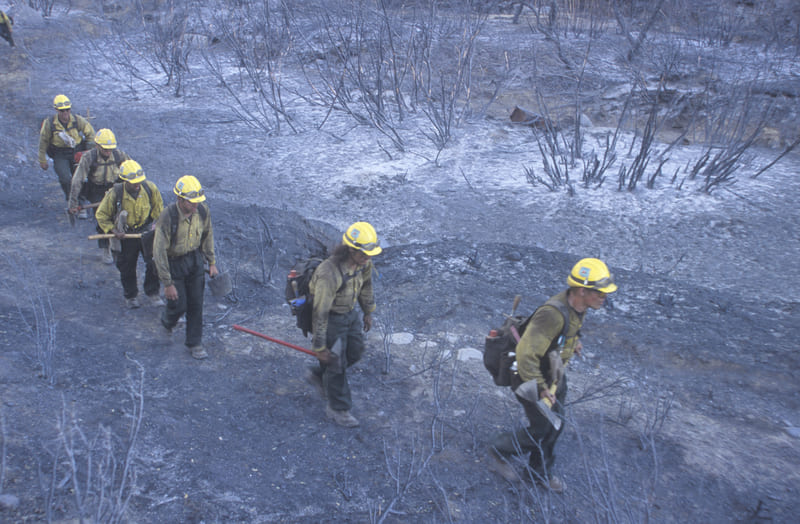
{"x":199,"y":353}
{"x":501,"y":466}
{"x":133,"y":302}
{"x":342,"y":418}
{"x":107,"y":257}
{"x":316,"y":381}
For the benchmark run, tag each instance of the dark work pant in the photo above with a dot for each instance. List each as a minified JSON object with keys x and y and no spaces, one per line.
{"x":63,"y":165}
{"x":349,"y":329}
{"x":188,"y":275}
{"x":538,"y":439}
{"x":95,"y":193}
{"x":126,"y":263}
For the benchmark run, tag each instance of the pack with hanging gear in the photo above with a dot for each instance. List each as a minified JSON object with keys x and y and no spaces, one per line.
{"x":298,"y":294}
{"x":499,"y":355}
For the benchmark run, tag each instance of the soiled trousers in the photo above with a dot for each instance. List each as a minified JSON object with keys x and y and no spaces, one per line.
{"x":349,"y":329}
{"x":538,"y":439}
{"x":127,"y":259}
{"x":188,"y":276}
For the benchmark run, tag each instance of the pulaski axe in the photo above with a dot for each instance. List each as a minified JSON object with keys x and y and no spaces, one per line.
{"x":530,"y":390}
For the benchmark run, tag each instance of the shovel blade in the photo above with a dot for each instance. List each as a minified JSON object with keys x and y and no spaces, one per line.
{"x":220,"y":285}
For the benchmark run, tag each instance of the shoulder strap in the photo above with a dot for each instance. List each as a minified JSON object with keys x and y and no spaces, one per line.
{"x":118,"y":191}
{"x":117,"y":157}
{"x":173,"y":223}
{"x":564,"y":310}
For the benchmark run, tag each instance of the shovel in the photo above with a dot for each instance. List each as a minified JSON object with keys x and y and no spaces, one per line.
{"x":220,"y":285}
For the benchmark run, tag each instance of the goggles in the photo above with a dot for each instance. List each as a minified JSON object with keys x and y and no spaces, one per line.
{"x":63,"y":106}
{"x":369,"y":246}
{"x":133,"y":175}
{"x":595,"y":284}
{"x":192,"y":194}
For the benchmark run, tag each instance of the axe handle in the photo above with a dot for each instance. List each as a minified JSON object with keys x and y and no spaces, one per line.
{"x":552,"y":390}
{"x":273,"y":339}
{"x":93,"y":205}
{"x":111,"y":235}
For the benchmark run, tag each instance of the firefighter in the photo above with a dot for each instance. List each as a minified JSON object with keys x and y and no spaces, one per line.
{"x":143,"y":203}
{"x":60,"y":137}
{"x":184,"y":240}
{"x":341,"y":282}
{"x":545,"y":347}
{"x":97,"y":172}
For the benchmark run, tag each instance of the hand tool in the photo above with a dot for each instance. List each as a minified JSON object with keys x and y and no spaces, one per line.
{"x":336,"y":349}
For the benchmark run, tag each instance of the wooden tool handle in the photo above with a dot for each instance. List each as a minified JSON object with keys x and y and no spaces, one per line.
{"x":111,"y":235}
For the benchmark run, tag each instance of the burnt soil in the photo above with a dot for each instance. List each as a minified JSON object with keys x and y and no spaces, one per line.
{"x":681,"y":409}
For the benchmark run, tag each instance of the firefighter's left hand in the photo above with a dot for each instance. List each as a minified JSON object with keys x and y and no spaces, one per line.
{"x":213,"y":271}
{"x":367,"y":322}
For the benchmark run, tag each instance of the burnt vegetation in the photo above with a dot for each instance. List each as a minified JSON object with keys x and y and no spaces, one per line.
{"x":120,"y":439}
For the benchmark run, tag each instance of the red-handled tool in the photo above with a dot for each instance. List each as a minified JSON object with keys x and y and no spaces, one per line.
{"x":276,"y":340}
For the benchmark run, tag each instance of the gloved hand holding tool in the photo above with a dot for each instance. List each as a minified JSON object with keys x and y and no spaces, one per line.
{"x":545,"y":400}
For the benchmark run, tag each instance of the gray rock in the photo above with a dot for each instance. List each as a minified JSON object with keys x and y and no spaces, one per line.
{"x":8,"y":501}
{"x":793,"y":431}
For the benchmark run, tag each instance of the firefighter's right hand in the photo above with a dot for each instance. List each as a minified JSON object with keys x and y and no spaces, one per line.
{"x":330,"y":359}
{"x":73,"y":210}
{"x":43,"y":165}
{"x":171,"y":292}
{"x":325,"y":356}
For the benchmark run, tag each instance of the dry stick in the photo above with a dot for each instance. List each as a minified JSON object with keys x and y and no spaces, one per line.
{"x":784,"y":153}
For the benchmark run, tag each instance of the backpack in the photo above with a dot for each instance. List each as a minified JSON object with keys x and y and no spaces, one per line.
{"x":93,"y":154}
{"x":299,"y":296}
{"x":500,"y":348}
{"x":149,"y":236}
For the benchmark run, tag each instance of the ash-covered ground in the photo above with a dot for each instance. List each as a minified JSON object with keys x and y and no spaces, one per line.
{"x":683,"y":408}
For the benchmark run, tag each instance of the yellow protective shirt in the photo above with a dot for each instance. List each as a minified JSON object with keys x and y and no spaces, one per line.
{"x":78,"y":128}
{"x":193,"y":233}
{"x":337,"y":290}
{"x":139,"y":208}
{"x":545,"y":326}
{"x":103,"y":171}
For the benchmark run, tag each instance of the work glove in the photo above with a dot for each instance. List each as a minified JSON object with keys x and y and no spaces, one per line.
{"x":556,"y":367}
{"x":330,"y":359}
{"x":68,"y":140}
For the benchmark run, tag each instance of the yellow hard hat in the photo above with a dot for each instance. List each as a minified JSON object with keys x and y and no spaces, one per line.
{"x":592,"y":273}
{"x":189,"y":188}
{"x":362,"y":236}
{"x":105,"y":139}
{"x":131,"y":171}
{"x":61,"y":102}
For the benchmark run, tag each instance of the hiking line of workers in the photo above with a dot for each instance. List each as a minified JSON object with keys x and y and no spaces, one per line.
{"x":175,"y":242}
{"x":182,"y":242}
